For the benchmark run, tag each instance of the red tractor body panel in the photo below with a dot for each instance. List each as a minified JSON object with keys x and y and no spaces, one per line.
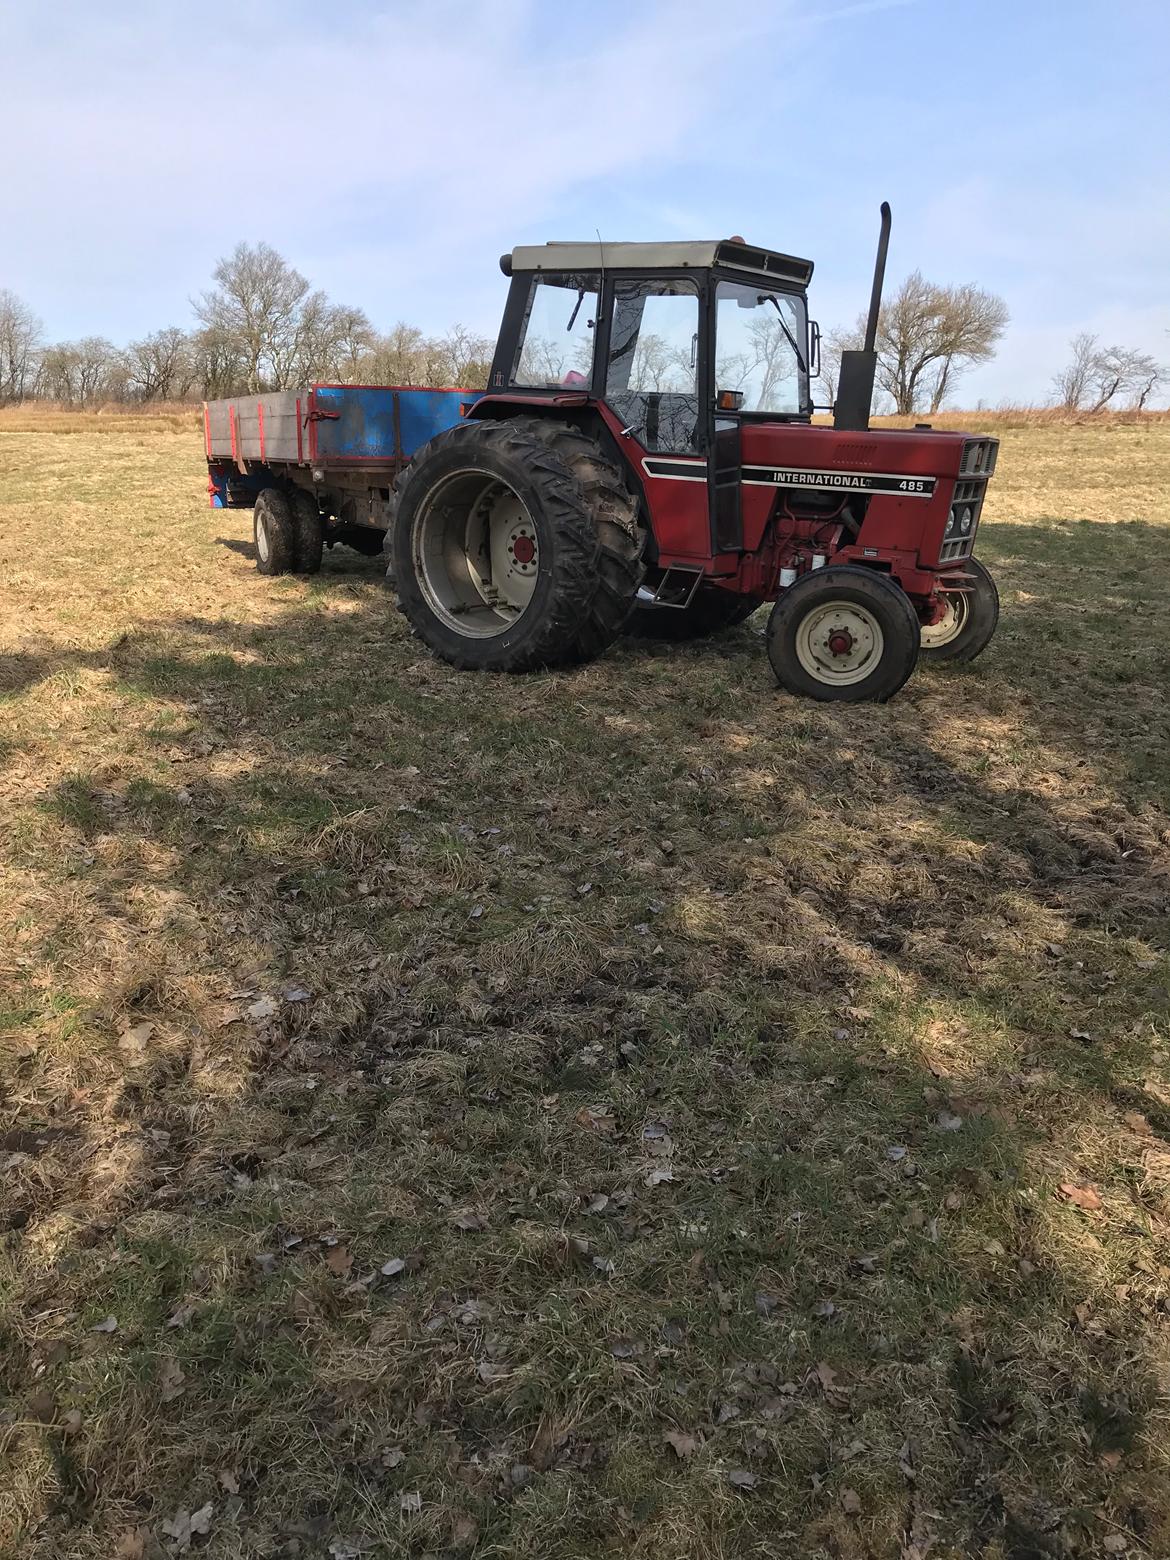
{"x":882,"y":498}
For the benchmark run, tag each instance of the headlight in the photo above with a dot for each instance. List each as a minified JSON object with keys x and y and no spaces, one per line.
{"x":968,"y":515}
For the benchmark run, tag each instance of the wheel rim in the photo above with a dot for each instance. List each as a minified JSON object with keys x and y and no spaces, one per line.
{"x":263,"y":545}
{"x":476,"y":554}
{"x":950,"y":625}
{"x":839,"y":643}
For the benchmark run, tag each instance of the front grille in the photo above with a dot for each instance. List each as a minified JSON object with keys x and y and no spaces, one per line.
{"x":966,"y":504}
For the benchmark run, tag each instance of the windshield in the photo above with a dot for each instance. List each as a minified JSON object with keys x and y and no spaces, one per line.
{"x":760,"y":347}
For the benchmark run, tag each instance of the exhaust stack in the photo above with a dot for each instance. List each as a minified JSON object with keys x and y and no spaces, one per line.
{"x":855,"y":386}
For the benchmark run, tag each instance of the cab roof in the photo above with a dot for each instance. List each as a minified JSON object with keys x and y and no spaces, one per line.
{"x":592,"y":255}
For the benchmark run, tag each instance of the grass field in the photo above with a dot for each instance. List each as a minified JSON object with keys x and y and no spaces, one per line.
{"x":618,"y":1112}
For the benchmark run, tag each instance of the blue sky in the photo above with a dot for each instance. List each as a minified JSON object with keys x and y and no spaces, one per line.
{"x":392,"y":151}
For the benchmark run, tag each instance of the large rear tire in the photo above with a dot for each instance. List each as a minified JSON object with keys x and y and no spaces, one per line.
{"x":515,"y":545}
{"x":970,"y":620}
{"x":711,"y":611}
{"x":274,"y":533}
{"x":843,"y":633}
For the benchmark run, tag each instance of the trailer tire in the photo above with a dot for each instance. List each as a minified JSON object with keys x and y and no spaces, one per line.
{"x":971,"y":620}
{"x":308,"y":531}
{"x":274,"y":533}
{"x":844,"y":633}
{"x":711,"y":611}
{"x":515,"y":546}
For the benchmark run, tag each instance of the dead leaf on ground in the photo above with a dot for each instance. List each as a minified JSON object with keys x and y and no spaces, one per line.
{"x":1086,"y":1197}
{"x":596,"y":1118}
{"x":171,"y":1380}
{"x":850,"y":1502}
{"x":1136,"y":1122}
{"x":134,"y":1040}
{"x":108,"y":1324}
{"x":411,"y":1500}
{"x":338,"y":1260}
{"x":469,"y":1221}
{"x":392,"y":1268}
{"x":130,"y":1544}
{"x":263,"y":1007}
{"x":742,"y":1479}
{"x":185,"y":1525}
{"x":682,"y":1443}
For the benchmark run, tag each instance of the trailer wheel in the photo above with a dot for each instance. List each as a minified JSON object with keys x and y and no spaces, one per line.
{"x":274,"y":533}
{"x":515,"y":545}
{"x":308,"y":532}
{"x":970,"y":620}
{"x":710,"y":612}
{"x":843,"y":633}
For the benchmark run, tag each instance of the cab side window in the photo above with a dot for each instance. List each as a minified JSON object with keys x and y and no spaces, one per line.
{"x":651,"y":378}
{"x":556,"y":344}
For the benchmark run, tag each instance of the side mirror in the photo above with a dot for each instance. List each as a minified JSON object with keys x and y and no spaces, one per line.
{"x":729,"y":400}
{"x":814,"y":349}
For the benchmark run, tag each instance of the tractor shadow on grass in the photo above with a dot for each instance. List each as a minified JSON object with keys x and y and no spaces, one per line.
{"x":543,"y":927}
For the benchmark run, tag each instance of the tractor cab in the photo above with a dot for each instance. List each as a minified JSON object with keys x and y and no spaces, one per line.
{"x":681,"y":344}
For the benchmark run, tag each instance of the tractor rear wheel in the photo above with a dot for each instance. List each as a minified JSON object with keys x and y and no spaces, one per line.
{"x":515,"y":545}
{"x":308,"y":532}
{"x":970,"y":620}
{"x":711,"y":610}
{"x":844,"y":633}
{"x":274,"y":533}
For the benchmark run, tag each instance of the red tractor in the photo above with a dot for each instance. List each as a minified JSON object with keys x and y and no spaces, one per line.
{"x":644,"y":459}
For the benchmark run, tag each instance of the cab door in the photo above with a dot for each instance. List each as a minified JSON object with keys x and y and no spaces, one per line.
{"x":654,"y":383}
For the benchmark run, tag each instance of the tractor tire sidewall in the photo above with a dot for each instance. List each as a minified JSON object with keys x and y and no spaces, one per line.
{"x":308,"y":532}
{"x":273,"y":512}
{"x":711,"y":612}
{"x":553,"y":628}
{"x":982,"y":620}
{"x":879,"y":595}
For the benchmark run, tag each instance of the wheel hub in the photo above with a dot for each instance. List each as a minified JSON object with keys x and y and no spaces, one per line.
{"x":477,"y":554}
{"x":839,"y":642}
{"x":949,"y":623}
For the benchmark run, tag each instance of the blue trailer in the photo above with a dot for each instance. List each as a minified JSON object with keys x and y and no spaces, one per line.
{"x":317,"y":465}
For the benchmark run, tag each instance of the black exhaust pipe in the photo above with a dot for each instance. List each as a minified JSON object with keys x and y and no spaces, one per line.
{"x":855,"y":385}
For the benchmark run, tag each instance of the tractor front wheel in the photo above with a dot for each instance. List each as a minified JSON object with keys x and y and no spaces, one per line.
{"x":515,"y":545}
{"x":970,"y":619}
{"x":843,"y":633}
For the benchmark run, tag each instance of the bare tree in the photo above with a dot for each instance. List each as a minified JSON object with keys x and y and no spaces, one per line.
{"x":928,"y":334}
{"x":216,"y":362}
{"x":257,"y":305}
{"x":395,"y":358}
{"x":1096,"y":376}
{"x":459,"y":358}
{"x":20,"y":340}
{"x":82,"y":373}
{"x":160,"y":367}
{"x":1072,"y":383}
{"x":330,"y":342}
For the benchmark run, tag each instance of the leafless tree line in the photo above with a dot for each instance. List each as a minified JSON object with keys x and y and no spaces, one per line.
{"x":259,"y":327}
{"x":928,"y":335}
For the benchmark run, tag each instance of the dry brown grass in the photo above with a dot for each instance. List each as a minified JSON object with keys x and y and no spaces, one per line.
{"x":872,"y":984}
